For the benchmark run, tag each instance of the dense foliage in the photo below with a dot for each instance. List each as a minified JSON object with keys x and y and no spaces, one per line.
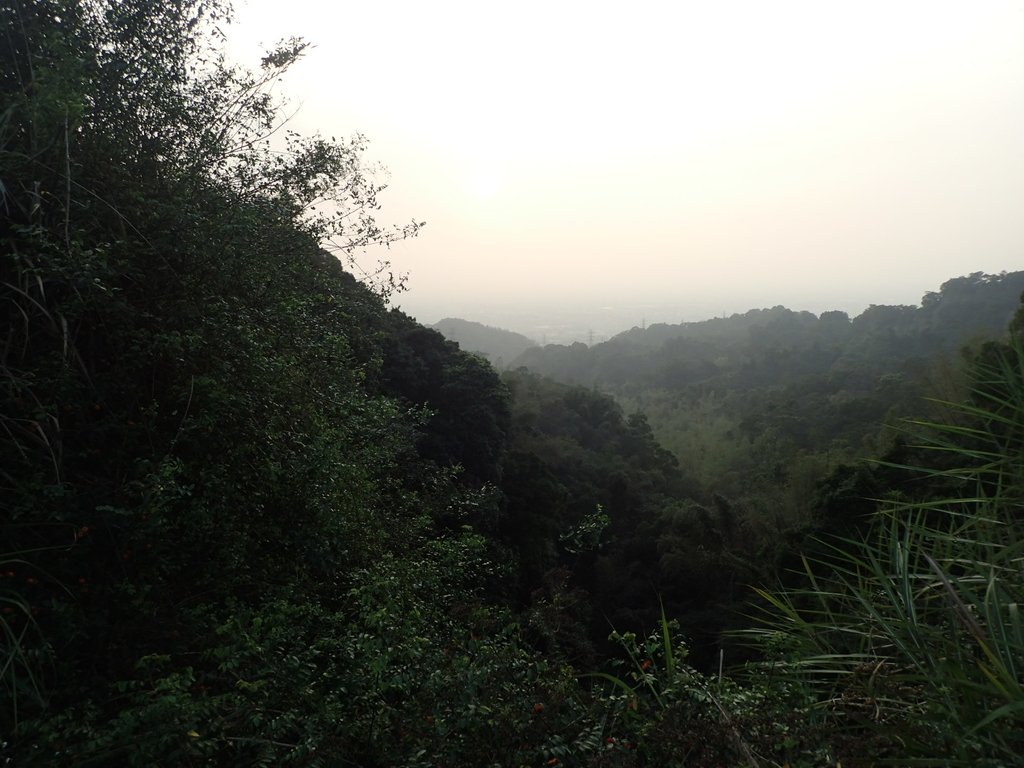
{"x":769,"y":412}
{"x":912,"y":634}
{"x":251,"y":516}
{"x":229,"y":524}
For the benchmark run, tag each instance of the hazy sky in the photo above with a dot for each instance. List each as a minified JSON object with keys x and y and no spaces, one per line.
{"x":673,"y":160}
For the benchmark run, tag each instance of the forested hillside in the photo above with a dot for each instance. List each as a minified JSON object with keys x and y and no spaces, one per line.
{"x":251,"y":515}
{"x":499,"y":346}
{"x":232,"y":534}
{"x":759,"y":407}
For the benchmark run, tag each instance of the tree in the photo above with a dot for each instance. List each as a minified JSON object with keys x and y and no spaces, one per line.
{"x":186,"y":434}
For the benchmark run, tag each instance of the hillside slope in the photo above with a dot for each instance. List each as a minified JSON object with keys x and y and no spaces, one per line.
{"x":499,"y":346}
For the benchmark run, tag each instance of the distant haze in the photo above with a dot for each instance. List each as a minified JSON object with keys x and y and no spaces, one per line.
{"x":622,"y":163}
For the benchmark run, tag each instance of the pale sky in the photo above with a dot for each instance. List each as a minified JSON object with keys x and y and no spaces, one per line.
{"x":662,"y":161}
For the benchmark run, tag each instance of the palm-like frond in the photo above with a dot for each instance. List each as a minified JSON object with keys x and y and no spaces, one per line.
{"x":916,"y":631}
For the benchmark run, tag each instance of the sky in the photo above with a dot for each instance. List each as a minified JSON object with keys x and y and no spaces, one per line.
{"x":598,"y":165}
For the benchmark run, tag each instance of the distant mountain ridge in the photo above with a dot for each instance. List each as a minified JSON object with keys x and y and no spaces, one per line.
{"x":976,"y":303}
{"x":498,"y":345}
{"x":963,"y":309}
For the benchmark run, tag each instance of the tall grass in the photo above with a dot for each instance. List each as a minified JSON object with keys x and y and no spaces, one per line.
{"x":914,"y":635}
